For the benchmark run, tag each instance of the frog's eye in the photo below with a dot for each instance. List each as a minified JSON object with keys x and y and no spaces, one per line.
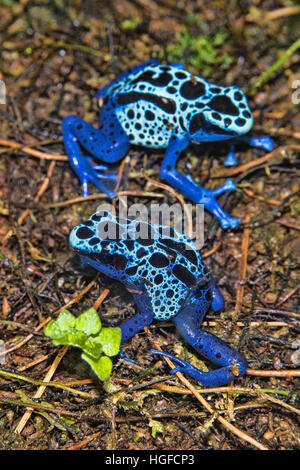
{"x":84,"y":232}
{"x":192,"y":89}
{"x":199,"y":123}
{"x":224,"y":105}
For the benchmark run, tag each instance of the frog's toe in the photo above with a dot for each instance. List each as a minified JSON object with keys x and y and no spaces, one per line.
{"x":93,"y":177}
{"x":229,"y":222}
{"x":183,"y":366}
{"x":125,"y":358}
{"x":264,"y":142}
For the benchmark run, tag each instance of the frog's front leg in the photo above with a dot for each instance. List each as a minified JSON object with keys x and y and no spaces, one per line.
{"x":264,"y":142}
{"x":192,"y":190}
{"x":108,"y":144}
{"x":233,"y":364}
{"x":133,"y":325}
{"x":144,"y":316}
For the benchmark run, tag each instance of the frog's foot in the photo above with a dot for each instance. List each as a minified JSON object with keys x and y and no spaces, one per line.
{"x":214,"y":378}
{"x":90,"y":173}
{"x":217,"y":301}
{"x":207,"y":197}
{"x":125,"y":358}
{"x":187,"y":186}
{"x":264,"y":142}
{"x":231,"y":159}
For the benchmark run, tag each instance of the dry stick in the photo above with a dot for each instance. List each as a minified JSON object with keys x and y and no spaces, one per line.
{"x":243,"y":267}
{"x":101,"y":298}
{"x":84,"y":442}
{"x":274,"y":67}
{"x":102,"y":196}
{"x":228,"y":389}
{"x":280,"y":12}
{"x":288,"y":224}
{"x":33,"y":152}
{"x":287,"y":296}
{"x":250,"y":193}
{"x":253,"y":163}
{"x":210,"y":252}
{"x":41,"y":191}
{"x":206,"y":405}
{"x":178,"y":196}
{"x":42,"y":388}
{"x":120,"y":173}
{"x":274,"y":373}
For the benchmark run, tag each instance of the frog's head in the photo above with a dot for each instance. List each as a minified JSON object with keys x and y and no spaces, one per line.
{"x":224,"y":115}
{"x":97,"y":241}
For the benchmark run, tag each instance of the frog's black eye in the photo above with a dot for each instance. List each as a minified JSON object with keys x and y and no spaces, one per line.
{"x":191,"y":90}
{"x":84,"y":232}
{"x":224,"y":105}
{"x":199,"y":122}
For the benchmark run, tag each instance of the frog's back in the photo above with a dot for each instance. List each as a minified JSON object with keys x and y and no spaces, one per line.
{"x":157,"y":101}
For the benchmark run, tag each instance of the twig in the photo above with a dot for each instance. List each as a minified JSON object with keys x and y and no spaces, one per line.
{"x":250,"y":193}
{"x":42,"y":388}
{"x":33,"y":152}
{"x":274,"y":373}
{"x":102,"y":196}
{"x":85,"y":441}
{"x":208,"y":407}
{"x":14,"y":376}
{"x":180,"y":199}
{"x":268,"y":73}
{"x":254,"y":163}
{"x":41,"y":191}
{"x":281,"y":12}
{"x":288,"y":224}
{"x":243,"y":267}
{"x":287,"y":296}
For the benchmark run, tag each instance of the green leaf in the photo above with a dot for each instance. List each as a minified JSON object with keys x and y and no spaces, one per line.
{"x":65,"y":320}
{"x":57,"y":328}
{"x":111,"y":340}
{"x":85,"y":332}
{"x":102,"y":366}
{"x":156,"y":426}
{"x":89,"y":322}
{"x":93,"y":347}
{"x":72,"y":337}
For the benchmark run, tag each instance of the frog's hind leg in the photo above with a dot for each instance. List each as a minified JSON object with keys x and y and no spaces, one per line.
{"x":264,"y":142}
{"x":109,"y":144}
{"x":233,"y":364}
{"x":187,"y":186}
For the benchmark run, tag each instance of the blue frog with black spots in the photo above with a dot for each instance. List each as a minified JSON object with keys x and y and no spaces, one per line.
{"x":161,"y":107}
{"x":168,"y":280}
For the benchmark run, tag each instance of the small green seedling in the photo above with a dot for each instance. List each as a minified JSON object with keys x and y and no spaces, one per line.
{"x":85,"y":332}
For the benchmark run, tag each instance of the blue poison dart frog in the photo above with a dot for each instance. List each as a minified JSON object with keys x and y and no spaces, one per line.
{"x":161,"y":107}
{"x":165,"y":274}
